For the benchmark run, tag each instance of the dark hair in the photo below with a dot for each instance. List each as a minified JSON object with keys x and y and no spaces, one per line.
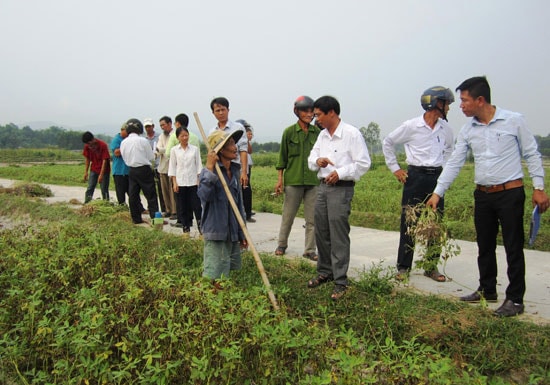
{"x":219,"y":100}
{"x":87,"y":137}
{"x":182,"y":119}
{"x":476,"y":87}
{"x":326,"y":104}
{"x":180,"y":129}
{"x":167,"y":119}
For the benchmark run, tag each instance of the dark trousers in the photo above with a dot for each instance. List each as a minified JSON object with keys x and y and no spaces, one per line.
{"x":142,"y":179}
{"x":507,"y":208}
{"x":418,"y":187}
{"x":247,"y":196}
{"x":159,"y":191}
{"x":121,"y":188}
{"x":188,"y":202}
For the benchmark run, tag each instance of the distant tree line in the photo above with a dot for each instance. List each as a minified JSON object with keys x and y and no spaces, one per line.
{"x":11,"y":136}
{"x":14,"y":137}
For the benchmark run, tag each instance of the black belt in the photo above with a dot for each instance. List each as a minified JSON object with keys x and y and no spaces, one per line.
{"x":340,"y":183}
{"x":426,"y":170}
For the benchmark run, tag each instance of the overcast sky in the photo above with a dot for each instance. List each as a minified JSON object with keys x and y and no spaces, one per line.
{"x":101,"y":62}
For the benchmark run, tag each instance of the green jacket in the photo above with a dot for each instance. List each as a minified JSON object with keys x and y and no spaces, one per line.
{"x":295,"y":148}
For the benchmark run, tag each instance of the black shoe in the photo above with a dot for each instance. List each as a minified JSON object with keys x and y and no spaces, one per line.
{"x":252,"y":213}
{"x":177,"y":224}
{"x":509,"y":309}
{"x":186,"y":229}
{"x":477,"y":295}
{"x":250,"y":219}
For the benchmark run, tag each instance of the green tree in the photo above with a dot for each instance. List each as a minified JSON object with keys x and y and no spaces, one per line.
{"x":371,"y":134}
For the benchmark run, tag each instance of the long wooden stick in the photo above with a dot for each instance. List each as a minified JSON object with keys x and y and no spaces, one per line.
{"x":237,"y":212}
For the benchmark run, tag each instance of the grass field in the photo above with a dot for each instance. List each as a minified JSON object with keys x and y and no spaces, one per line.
{"x":88,"y":298}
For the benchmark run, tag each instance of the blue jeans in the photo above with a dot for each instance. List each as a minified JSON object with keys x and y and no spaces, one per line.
{"x":92,"y":182}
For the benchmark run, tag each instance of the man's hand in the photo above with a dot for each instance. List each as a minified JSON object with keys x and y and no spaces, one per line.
{"x":332,"y":178}
{"x":324,"y":162}
{"x":100,"y":178}
{"x":279,"y":187}
{"x":433,"y":201}
{"x":244,"y":179}
{"x":211,"y":160}
{"x":540,"y":199}
{"x":85,"y":176}
{"x":401,"y":176}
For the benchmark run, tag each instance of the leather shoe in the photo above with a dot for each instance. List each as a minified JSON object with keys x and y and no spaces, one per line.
{"x":509,"y":309}
{"x":477,"y":295}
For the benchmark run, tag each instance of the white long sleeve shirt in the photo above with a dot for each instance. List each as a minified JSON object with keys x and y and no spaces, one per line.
{"x":185,"y":165}
{"x":346,"y":148}
{"x":424,"y":146}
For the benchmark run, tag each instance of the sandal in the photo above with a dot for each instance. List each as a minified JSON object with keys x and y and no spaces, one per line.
{"x":338,"y":292}
{"x":319,"y":280}
{"x":435,"y":275}
{"x":280,"y":250}
{"x":311,"y":256}
{"x":402,"y":274}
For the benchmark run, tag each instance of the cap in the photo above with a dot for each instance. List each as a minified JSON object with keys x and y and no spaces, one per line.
{"x":218,"y":138}
{"x":148,"y":122}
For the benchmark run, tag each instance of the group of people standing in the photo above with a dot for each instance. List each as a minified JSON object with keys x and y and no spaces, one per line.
{"x":319,"y":164}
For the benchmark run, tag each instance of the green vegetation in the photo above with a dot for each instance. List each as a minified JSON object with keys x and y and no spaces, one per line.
{"x":88,"y":298}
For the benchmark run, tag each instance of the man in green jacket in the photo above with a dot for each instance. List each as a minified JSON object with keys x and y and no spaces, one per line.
{"x":295,"y":179}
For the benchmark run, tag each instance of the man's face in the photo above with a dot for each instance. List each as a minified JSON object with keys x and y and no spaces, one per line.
{"x":220,"y":112}
{"x":92,"y":143}
{"x":305,"y":116}
{"x":165,"y":126}
{"x":322,"y":119}
{"x":150,"y":128}
{"x":468,"y":104}
{"x":123,"y":133}
{"x":229,"y":150}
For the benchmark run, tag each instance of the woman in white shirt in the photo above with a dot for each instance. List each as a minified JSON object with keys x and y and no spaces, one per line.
{"x":184,"y":169}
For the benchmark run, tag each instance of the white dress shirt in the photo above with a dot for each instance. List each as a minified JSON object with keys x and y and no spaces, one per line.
{"x":185,"y":165}
{"x":346,"y":148}
{"x":498,"y":148}
{"x":424,"y":147}
{"x":136,"y":151}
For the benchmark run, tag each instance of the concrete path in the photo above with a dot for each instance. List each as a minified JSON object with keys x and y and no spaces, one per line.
{"x":372,"y":247}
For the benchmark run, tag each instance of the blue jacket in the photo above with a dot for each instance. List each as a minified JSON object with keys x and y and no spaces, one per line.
{"x":119,"y":167}
{"x":218,"y":221}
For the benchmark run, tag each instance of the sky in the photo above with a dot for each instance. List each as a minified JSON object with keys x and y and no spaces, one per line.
{"x":81,"y":64}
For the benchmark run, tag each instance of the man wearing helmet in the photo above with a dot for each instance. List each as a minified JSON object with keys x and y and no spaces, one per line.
{"x":428,"y":142}
{"x":295,"y":179}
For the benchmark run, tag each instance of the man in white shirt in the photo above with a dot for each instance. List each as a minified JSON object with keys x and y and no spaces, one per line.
{"x":138,"y":155}
{"x":220,"y":109}
{"x":340,"y":157}
{"x":428,"y":142}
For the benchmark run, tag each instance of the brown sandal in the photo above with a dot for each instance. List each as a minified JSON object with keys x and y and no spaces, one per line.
{"x":319,"y":280}
{"x":311,"y":256}
{"x":338,"y":292}
{"x":435,"y":275}
{"x":280,"y":250}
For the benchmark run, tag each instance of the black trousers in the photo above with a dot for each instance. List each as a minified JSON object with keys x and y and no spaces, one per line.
{"x":121,"y":188}
{"x":189,"y":202}
{"x":505,"y":208}
{"x":247,"y":196}
{"x":142,"y":179}
{"x":417,"y":189}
